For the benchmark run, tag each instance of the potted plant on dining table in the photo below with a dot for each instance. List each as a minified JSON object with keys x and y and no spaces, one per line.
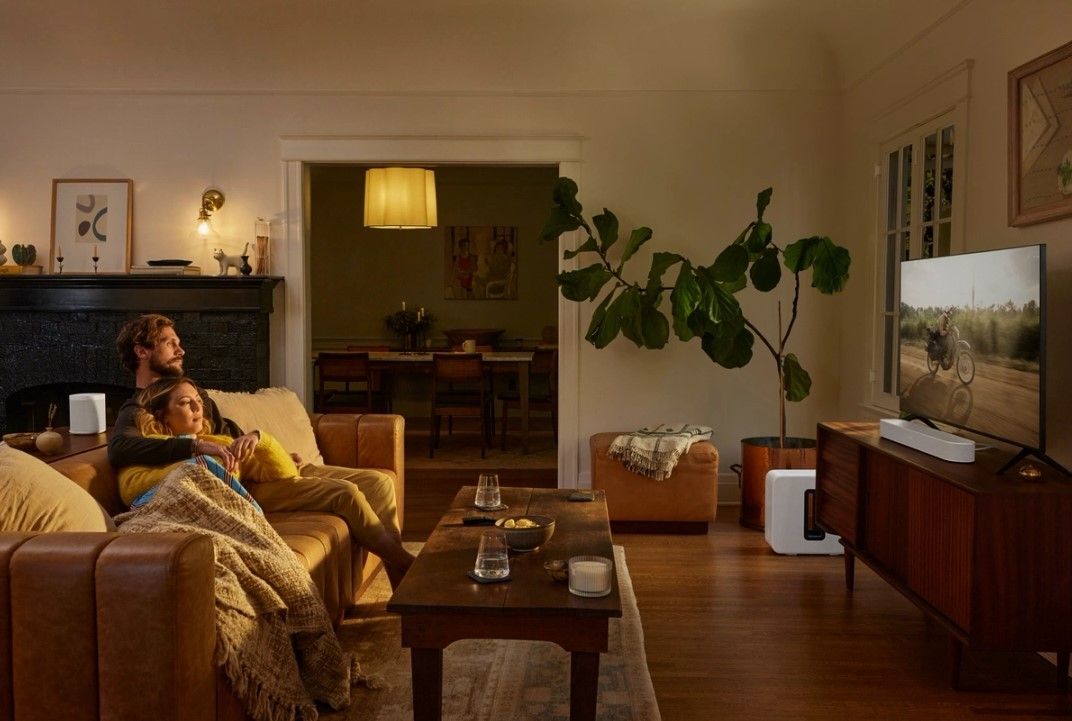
{"x":703,"y":304}
{"x":410,"y":326}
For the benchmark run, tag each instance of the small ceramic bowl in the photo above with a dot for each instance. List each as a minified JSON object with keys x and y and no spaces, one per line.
{"x":21,"y":441}
{"x":558,"y":570}
{"x":527,"y":539}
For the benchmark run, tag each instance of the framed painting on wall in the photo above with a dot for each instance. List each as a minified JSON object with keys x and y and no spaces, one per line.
{"x":91,"y":218}
{"x":1040,"y":138}
{"x":480,"y":262}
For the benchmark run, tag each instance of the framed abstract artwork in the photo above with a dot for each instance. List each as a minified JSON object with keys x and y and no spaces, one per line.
{"x":91,"y":218}
{"x":480,"y":262}
{"x":1040,"y":138}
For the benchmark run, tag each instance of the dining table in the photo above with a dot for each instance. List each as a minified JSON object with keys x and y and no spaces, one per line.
{"x":514,"y":362}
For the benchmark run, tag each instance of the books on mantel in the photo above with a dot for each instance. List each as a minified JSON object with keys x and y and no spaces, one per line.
{"x":165,"y":270}
{"x":20,"y":270}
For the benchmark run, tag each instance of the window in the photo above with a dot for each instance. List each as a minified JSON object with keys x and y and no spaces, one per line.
{"x":921,"y":211}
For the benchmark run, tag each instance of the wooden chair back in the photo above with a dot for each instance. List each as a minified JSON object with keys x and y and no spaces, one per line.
{"x":457,"y":367}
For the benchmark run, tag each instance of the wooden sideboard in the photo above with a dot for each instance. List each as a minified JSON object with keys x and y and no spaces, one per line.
{"x":987,"y":556}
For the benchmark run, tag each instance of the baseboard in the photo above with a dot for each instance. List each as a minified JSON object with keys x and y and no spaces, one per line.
{"x":680,"y":528}
{"x":729,"y":490}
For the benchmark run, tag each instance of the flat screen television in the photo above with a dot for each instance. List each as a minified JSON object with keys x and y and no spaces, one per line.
{"x":972,"y":343}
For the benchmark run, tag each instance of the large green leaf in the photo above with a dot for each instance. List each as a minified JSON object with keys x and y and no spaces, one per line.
{"x":766,"y":272}
{"x":660,"y":262}
{"x":607,"y":226}
{"x":759,"y":238}
{"x":684,"y":299}
{"x":716,"y":301}
{"x":565,"y":196}
{"x":735,"y":286}
{"x":797,"y":382}
{"x":800,"y":255}
{"x":585,"y":283}
{"x":654,"y":328}
{"x":744,"y":233}
{"x":637,"y":238}
{"x":831,"y":267}
{"x":586,"y":246}
{"x":730,"y":348}
{"x":605,"y":325}
{"x":558,"y":222}
{"x":730,"y":264}
{"x":627,"y":307}
{"x":762,"y":201}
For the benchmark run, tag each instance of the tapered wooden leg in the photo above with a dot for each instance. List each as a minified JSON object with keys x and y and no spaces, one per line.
{"x":956,"y":657}
{"x":1062,"y":671}
{"x":584,"y":685}
{"x":427,"y":667}
{"x":850,"y":570}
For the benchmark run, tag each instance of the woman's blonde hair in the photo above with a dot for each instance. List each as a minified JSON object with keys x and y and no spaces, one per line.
{"x":153,"y":402}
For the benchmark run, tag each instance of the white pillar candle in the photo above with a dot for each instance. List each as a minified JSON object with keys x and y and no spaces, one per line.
{"x":589,"y":576}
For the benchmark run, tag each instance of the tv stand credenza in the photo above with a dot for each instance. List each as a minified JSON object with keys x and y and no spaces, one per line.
{"x":987,"y":556}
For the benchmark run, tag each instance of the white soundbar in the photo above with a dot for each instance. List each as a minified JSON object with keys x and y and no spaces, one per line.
{"x":937,"y":443}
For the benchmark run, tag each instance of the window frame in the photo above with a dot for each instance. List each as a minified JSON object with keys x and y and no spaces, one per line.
{"x":915,"y":135}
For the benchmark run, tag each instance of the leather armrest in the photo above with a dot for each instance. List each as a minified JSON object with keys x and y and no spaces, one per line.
{"x":370,"y":440}
{"x":123,"y":623}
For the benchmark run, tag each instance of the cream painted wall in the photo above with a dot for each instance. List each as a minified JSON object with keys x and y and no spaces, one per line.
{"x":679,"y":134}
{"x":362,"y":274}
{"x":998,"y":36}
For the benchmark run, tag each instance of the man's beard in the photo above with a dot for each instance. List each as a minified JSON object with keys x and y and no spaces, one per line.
{"x":166,"y":370}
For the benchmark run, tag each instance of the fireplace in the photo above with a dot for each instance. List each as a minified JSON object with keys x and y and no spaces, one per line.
{"x":57,"y":335}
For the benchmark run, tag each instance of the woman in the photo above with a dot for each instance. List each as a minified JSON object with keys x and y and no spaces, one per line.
{"x":175,"y":406}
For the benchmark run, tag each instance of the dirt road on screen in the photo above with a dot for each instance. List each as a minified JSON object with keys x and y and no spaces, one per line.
{"x":1000,"y":401}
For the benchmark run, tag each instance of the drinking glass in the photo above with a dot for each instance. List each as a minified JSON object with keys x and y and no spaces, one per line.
{"x":487,"y":491}
{"x":491,"y":558}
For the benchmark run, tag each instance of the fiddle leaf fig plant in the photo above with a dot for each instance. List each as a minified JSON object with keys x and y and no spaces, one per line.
{"x":703,"y":298}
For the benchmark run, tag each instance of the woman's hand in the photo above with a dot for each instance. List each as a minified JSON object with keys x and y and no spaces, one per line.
{"x":209,"y":448}
{"x":243,"y":446}
{"x":298,"y":460}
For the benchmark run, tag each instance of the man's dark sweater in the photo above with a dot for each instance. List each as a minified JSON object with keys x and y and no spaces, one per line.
{"x":128,"y":447}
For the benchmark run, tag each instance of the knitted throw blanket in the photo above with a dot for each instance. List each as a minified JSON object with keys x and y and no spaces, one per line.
{"x":273,"y":636}
{"x":654,"y":451}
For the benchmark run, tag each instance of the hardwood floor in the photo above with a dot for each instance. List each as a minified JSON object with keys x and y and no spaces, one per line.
{"x":733,"y":631}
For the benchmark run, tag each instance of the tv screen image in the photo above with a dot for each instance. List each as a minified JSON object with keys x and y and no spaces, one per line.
{"x":972,"y":328}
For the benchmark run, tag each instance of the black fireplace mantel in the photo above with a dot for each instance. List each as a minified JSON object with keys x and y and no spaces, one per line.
{"x":136,"y":292}
{"x":57,"y":333}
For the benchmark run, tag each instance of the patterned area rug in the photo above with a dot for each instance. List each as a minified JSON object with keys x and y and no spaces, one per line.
{"x":492,"y":680}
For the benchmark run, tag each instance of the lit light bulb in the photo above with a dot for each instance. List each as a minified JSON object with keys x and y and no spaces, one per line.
{"x":203,"y":228}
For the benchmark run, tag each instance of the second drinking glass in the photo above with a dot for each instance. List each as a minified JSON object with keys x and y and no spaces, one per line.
{"x":487,"y":491}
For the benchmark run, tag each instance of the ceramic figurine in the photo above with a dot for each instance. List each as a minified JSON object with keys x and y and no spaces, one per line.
{"x":230,"y":261}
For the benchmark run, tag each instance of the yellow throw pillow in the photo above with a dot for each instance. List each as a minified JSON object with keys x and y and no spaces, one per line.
{"x":34,"y":496}
{"x":276,"y":411}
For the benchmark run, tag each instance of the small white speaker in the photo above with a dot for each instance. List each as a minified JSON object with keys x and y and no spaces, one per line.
{"x":87,"y":413}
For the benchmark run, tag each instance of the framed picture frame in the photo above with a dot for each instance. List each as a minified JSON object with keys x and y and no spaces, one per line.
{"x":480,"y":262}
{"x":1040,"y":138}
{"x":91,"y":217}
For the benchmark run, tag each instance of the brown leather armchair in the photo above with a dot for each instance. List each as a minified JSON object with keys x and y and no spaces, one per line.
{"x":115,"y":626}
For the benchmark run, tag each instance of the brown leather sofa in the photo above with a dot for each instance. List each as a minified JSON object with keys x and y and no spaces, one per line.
{"x":115,"y":626}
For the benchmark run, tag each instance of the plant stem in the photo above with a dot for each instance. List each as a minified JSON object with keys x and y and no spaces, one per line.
{"x":781,"y":378}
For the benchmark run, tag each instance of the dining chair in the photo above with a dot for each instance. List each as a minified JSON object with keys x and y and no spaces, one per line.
{"x":543,"y":390}
{"x":345,"y":368}
{"x":381,"y":379}
{"x":459,"y":388}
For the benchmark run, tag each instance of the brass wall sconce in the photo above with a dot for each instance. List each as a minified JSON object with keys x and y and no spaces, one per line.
{"x":211,"y":201}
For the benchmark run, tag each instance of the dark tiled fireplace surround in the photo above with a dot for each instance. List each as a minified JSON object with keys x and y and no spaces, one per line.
{"x":57,"y":336}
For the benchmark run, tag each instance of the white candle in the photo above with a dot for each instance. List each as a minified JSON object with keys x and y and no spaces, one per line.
{"x":95,"y":253}
{"x":589,"y":576}
{"x":403,"y":305}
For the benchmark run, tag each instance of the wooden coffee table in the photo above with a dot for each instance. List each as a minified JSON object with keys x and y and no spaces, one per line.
{"x":439,"y":604}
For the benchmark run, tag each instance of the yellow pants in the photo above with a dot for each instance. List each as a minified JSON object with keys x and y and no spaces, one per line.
{"x":364,"y":498}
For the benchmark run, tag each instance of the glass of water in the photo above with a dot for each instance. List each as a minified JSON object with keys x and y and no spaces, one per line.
{"x":487,"y":491}
{"x":491,"y":558}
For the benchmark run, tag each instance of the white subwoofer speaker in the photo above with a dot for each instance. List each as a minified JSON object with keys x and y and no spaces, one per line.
{"x":790,"y":525}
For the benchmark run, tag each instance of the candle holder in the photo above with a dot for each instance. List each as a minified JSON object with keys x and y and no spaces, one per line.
{"x":590,"y":576}
{"x":95,"y":259}
{"x":59,"y":262}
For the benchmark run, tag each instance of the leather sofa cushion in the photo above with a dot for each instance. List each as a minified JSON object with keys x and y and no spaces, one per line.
{"x":36,"y":497}
{"x":322,"y":543}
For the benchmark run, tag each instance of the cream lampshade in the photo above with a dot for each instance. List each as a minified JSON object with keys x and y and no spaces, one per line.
{"x":400,"y":198}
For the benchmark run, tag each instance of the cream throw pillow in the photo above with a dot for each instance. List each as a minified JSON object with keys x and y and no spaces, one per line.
{"x":34,"y":496}
{"x":274,"y":410}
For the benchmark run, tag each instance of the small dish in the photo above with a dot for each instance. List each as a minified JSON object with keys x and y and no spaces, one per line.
{"x":169,"y":261}
{"x":558,"y":569}
{"x":21,"y":441}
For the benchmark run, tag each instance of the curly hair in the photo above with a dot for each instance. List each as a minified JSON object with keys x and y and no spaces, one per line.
{"x":142,"y":331}
{"x":153,"y":402}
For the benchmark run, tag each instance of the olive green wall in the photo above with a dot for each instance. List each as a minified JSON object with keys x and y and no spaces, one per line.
{"x":360,"y":275}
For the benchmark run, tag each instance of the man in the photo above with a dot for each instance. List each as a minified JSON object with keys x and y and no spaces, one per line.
{"x":150,"y":348}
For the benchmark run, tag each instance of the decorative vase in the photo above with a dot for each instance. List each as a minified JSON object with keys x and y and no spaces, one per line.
{"x":762,"y":454}
{"x":49,"y":442}
{"x":262,"y":247}
{"x":246,"y":268}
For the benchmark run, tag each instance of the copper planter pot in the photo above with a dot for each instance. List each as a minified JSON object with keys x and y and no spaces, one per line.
{"x":762,"y":454}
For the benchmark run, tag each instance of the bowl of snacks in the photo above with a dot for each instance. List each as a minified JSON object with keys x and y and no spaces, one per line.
{"x":526,"y":533}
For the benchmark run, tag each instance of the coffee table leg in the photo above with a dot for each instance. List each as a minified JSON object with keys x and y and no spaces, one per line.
{"x":427,"y":670}
{"x":584,"y":685}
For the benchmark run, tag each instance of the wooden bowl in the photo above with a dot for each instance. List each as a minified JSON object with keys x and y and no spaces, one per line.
{"x":21,"y":441}
{"x":527,"y":539}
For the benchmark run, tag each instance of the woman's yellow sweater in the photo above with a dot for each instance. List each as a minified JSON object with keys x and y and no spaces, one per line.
{"x":269,"y":462}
